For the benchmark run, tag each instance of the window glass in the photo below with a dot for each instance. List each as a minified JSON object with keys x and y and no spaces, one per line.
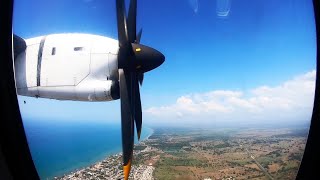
{"x":233,"y":98}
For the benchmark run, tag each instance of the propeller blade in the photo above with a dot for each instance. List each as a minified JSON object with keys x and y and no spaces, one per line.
{"x":137,"y":108}
{"x":121,"y":23}
{"x":134,"y":59}
{"x":132,"y":21}
{"x":132,"y":81}
{"x":126,"y":121}
{"x":139,"y":36}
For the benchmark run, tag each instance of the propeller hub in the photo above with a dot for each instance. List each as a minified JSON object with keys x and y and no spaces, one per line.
{"x":146,"y":58}
{"x":139,"y":58}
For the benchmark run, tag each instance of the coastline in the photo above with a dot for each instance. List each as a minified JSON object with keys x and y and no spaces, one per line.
{"x":152,"y":132}
{"x":108,"y":157}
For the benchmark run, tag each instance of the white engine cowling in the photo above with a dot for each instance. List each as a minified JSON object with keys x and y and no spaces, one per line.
{"x":79,"y":67}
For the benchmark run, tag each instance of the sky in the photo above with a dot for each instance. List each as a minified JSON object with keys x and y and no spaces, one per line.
{"x":226,"y":60}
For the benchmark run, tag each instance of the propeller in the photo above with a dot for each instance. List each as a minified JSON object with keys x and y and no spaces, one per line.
{"x":134,"y":59}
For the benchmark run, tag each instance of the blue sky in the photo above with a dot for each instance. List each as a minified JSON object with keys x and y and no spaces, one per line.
{"x":210,"y":45}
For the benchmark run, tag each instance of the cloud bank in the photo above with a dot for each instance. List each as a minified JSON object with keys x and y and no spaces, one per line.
{"x":289,"y":102}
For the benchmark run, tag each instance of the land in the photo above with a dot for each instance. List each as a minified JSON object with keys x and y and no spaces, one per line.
{"x":228,"y":153}
{"x":111,"y":167}
{"x":208,"y":154}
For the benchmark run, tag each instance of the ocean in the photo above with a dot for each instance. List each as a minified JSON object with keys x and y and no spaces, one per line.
{"x":58,"y":148}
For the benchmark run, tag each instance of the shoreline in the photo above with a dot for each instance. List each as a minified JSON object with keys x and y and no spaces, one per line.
{"x":147,"y":138}
{"x":107,"y":157}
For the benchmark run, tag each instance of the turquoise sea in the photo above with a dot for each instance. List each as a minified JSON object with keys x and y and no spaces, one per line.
{"x":58,"y":148}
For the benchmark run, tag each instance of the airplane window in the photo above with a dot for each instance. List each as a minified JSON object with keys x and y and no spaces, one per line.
{"x":53,"y":51}
{"x":189,"y":89}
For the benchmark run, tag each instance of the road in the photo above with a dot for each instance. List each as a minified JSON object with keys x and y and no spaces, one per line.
{"x":258,"y":164}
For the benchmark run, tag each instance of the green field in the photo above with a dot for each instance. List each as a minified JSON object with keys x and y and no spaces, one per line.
{"x":199,"y":153}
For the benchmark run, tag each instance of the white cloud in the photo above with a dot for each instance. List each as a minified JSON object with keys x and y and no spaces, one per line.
{"x":292,"y":101}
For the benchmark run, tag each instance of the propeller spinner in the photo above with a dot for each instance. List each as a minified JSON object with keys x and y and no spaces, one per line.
{"x":134,"y":59}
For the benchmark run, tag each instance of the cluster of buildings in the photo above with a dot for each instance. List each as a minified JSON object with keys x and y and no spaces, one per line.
{"x":110,"y":168}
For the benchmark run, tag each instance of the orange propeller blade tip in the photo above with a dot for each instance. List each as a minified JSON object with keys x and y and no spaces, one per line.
{"x":126,"y":170}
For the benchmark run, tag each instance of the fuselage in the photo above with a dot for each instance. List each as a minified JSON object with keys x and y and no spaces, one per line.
{"x":80,"y":67}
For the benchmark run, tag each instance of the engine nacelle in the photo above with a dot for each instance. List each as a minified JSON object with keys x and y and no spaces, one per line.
{"x":79,"y":67}
{"x":115,"y":90}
